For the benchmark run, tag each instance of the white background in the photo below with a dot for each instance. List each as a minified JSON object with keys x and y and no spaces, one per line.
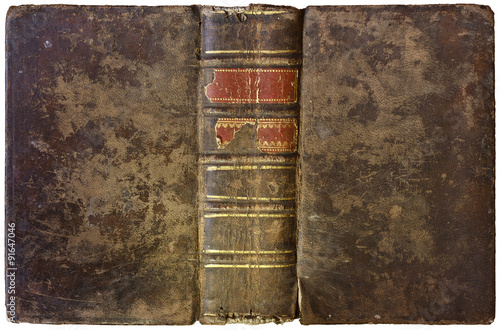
{"x":4,"y":324}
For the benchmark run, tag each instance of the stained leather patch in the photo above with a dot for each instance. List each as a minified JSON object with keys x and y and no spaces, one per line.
{"x":227,"y":127}
{"x":250,"y":85}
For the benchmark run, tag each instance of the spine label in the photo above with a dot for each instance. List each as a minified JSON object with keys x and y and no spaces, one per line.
{"x":250,"y":85}
{"x":274,"y":135}
{"x":277,"y":135}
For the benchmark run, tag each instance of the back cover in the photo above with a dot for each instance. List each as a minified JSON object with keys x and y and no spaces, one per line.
{"x":396,"y":211}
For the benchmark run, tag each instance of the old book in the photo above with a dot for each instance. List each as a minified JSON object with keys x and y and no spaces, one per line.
{"x":173,"y":164}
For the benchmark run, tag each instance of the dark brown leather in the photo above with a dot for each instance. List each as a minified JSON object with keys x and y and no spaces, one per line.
{"x":247,"y":194}
{"x":396,"y":205}
{"x":102,"y":172}
{"x":132,"y":191}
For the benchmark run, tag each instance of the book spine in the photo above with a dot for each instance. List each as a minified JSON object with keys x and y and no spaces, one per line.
{"x":248,"y":131}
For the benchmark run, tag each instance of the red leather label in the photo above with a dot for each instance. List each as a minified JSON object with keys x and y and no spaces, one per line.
{"x":277,"y":135}
{"x":274,"y":135}
{"x":252,"y":85}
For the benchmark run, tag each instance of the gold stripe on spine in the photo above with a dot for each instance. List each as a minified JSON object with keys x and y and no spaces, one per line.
{"x":247,"y":252}
{"x":250,"y":198}
{"x":256,"y":70}
{"x":274,"y":120}
{"x":250,"y":12}
{"x":248,"y":215}
{"x":262,"y":51}
{"x":245,"y":100}
{"x":247,"y":266}
{"x":249,"y":167}
{"x":239,"y":62}
{"x":283,"y":160}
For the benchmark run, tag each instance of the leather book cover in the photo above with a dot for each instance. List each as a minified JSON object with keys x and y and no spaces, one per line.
{"x":396,"y":197}
{"x":102,"y":164}
{"x":173,"y":164}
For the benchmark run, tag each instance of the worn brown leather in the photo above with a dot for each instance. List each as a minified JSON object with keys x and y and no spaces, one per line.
{"x":101,"y":163}
{"x":130,"y":203}
{"x":396,"y":210}
{"x":247,"y":194}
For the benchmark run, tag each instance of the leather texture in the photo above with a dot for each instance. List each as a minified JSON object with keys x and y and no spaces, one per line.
{"x":248,"y":164}
{"x":348,"y":177}
{"x":396,"y":209}
{"x":102,"y":163}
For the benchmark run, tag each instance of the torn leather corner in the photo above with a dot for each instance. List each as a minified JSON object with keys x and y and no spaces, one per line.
{"x":226,"y":128}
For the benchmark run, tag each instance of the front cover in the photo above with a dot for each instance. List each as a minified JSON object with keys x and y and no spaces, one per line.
{"x":101,"y":164}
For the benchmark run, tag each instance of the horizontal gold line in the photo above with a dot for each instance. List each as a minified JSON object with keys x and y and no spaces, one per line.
{"x":250,"y":100}
{"x":217,"y":315}
{"x":249,"y":12}
{"x":275,"y":120}
{"x":250,"y":167}
{"x":247,"y":266}
{"x":209,"y":161}
{"x":236,"y":120}
{"x":247,"y":252}
{"x":252,"y":198}
{"x":251,"y":51}
{"x":248,"y":215}
{"x":246,"y":70}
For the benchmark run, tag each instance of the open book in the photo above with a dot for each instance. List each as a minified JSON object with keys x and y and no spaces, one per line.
{"x":258,"y":164}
